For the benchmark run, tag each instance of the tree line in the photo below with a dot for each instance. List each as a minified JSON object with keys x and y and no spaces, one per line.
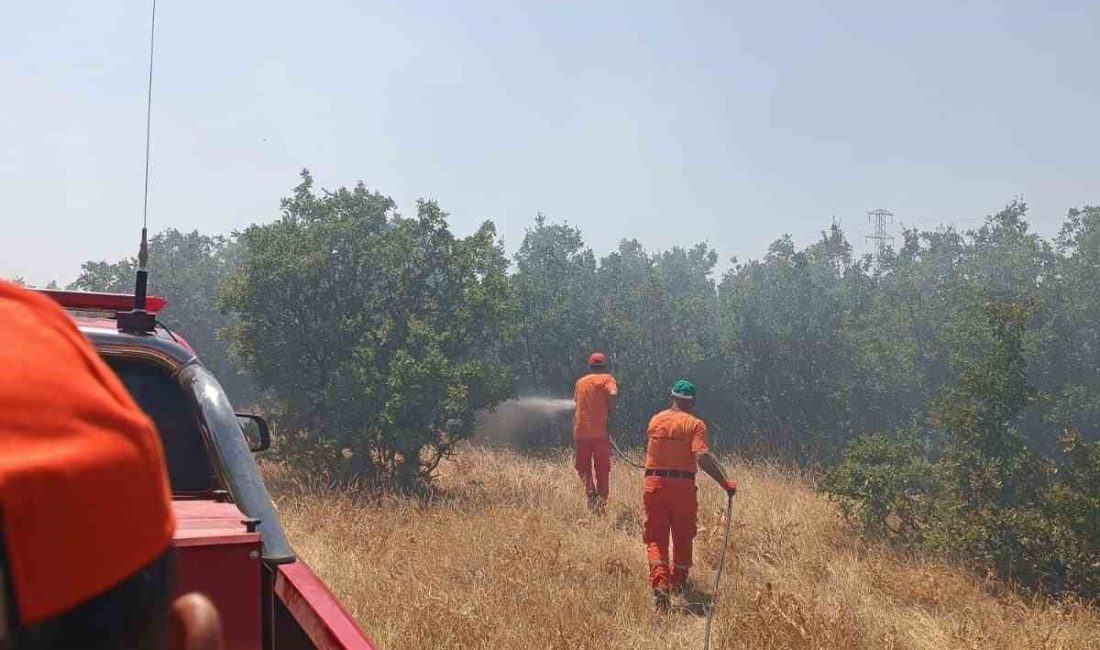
{"x":949,"y":389}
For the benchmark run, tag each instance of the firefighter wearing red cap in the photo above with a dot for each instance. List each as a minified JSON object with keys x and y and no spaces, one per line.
{"x":676,"y":444}
{"x":85,"y":512}
{"x":594,"y":398}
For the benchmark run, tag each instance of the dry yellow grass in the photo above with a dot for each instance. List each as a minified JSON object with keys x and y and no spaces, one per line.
{"x":508,"y":557}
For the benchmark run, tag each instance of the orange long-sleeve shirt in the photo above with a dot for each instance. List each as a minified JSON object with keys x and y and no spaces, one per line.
{"x":592,"y":405}
{"x":672,"y":440}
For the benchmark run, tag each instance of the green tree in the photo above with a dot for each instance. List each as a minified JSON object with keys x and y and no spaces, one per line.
{"x":1073,"y":504}
{"x":556,"y":297}
{"x":881,"y":483}
{"x":658,"y":323}
{"x":986,"y":499}
{"x":988,"y":510}
{"x":380,"y":334}
{"x":799,"y":362}
{"x":1070,"y":353}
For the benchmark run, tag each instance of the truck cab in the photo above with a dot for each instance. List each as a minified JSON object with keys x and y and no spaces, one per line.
{"x":229,"y":542}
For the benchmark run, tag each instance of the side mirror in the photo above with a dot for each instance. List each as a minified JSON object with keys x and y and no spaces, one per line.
{"x":256,"y":432}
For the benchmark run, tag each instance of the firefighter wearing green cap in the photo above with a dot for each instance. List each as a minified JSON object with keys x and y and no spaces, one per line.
{"x":676,"y":445}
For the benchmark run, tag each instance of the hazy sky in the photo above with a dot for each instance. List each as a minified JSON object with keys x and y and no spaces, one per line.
{"x":731,"y":122}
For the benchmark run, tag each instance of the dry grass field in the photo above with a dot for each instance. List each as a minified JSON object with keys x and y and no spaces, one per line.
{"x":507,"y":556}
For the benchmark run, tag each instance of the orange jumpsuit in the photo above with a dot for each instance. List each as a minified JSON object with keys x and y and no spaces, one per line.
{"x":591,"y":444}
{"x":672,"y":440}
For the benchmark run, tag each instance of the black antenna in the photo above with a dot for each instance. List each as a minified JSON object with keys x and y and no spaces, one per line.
{"x":148,"y":129}
{"x":139,"y":320}
{"x":141,"y":283}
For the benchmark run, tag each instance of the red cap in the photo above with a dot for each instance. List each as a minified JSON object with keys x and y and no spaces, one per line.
{"x":597,"y":359}
{"x":84,"y":496}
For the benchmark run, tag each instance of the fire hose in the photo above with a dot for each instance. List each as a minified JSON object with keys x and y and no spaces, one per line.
{"x":618,"y":451}
{"x":718,"y":573}
{"x":721,"y":556}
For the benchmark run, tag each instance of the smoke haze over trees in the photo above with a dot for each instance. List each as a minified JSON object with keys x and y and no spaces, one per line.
{"x":950,"y":389}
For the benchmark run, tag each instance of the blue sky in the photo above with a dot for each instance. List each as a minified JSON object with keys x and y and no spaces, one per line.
{"x":730,"y":122}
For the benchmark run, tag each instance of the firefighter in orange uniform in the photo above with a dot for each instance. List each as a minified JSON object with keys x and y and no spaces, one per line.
{"x":85,"y":509}
{"x":676,"y":443}
{"x":594,"y":398}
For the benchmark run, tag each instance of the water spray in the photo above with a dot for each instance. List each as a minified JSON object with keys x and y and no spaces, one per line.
{"x":558,"y":405}
{"x":546,"y":404}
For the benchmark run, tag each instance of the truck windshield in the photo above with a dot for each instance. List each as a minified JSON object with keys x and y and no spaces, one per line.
{"x":162,"y":399}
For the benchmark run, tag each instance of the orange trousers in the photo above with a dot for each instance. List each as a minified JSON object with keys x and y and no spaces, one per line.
{"x":593,"y":454}
{"x":670,"y":510}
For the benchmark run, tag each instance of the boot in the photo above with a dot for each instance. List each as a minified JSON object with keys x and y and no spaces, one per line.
{"x":662,"y":600}
{"x":679,"y":581}
{"x":598,"y":505}
{"x":593,"y":501}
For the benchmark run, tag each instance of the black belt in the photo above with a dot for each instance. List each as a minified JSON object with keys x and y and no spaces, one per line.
{"x":670,"y":473}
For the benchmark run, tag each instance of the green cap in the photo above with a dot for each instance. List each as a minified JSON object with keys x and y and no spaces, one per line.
{"x":683,"y":389}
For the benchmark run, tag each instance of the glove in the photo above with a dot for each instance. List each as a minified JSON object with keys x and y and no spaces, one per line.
{"x":730,"y":486}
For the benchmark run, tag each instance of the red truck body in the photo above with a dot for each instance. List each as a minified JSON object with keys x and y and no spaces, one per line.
{"x":216,"y":555}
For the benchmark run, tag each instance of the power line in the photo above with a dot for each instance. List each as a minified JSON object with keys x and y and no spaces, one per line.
{"x":880,"y":218}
